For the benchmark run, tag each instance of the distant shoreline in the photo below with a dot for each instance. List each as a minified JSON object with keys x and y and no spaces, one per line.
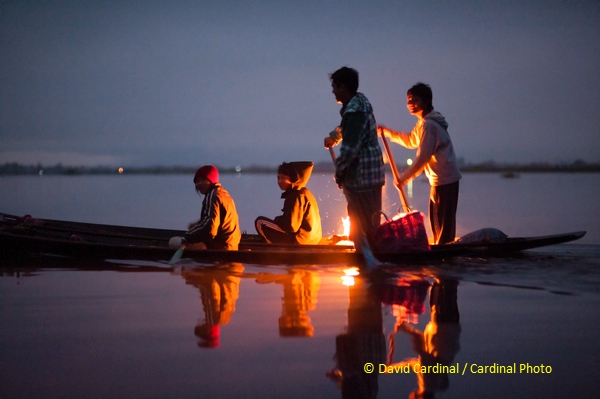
{"x":508,"y":170}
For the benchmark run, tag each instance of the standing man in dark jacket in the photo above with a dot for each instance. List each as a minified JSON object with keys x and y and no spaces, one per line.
{"x":359,"y":168}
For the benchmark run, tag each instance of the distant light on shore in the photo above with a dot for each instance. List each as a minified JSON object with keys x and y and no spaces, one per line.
{"x":120,"y":170}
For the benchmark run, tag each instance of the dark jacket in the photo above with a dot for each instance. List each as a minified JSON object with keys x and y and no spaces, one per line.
{"x":218,"y":226}
{"x":301,"y":216}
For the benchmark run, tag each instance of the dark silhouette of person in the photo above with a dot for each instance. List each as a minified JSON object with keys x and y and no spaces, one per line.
{"x":363,"y":343}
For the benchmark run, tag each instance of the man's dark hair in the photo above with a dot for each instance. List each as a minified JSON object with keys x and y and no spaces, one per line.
{"x":423,"y":91}
{"x":347,"y":77}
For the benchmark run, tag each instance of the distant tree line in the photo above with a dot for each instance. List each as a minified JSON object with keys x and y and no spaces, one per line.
{"x":321,"y":167}
{"x":493,"y":167}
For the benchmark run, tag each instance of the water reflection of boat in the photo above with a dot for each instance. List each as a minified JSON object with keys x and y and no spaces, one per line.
{"x":361,"y":358}
{"x":435,"y":346}
{"x":219,"y":288}
{"x":300,"y":288}
{"x":363,"y":344}
{"x":405,"y":294}
{"x":22,"y":236}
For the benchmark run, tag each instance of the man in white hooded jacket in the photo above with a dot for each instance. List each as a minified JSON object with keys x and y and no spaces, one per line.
{"x":435,"y":156}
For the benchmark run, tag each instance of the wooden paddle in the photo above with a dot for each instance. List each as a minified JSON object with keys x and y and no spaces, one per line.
{"x":395,"y":173}
{"x":177,"y":255}
{"x":332,"y":153}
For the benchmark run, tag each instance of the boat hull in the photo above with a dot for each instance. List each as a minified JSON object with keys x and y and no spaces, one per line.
{"x":25,"y":236}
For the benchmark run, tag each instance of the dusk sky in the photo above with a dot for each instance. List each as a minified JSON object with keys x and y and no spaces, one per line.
{"x":140,"y":83}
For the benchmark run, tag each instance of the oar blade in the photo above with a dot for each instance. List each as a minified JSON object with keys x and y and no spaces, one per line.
{"x":177,"y":255}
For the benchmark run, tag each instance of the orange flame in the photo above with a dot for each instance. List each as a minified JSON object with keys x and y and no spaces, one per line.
{"x":346,"y":224}
{"x":346,"y":233}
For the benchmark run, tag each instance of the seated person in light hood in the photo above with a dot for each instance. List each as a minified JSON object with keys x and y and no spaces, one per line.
{"x":300,"y":222}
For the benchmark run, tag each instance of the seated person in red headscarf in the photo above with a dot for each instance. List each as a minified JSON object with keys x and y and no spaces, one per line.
{"x":301,"y":221}
{"x":218,"y":227}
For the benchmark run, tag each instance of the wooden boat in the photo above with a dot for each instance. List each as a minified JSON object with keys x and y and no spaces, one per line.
{"x":23,"y":236}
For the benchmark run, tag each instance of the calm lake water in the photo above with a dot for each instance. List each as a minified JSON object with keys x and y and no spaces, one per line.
{"x":522,"y":327}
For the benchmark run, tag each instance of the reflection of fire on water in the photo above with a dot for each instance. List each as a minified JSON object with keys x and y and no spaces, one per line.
{"x":348,"y":277}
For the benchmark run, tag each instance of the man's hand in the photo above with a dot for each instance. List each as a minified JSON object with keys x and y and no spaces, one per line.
{"x":383,"y":130}
{"x":399,"y":184}
{"x":339,"y":180}
{"x":328,"y":142}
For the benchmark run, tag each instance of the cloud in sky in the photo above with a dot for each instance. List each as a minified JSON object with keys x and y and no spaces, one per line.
{"x":232,"y":82}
